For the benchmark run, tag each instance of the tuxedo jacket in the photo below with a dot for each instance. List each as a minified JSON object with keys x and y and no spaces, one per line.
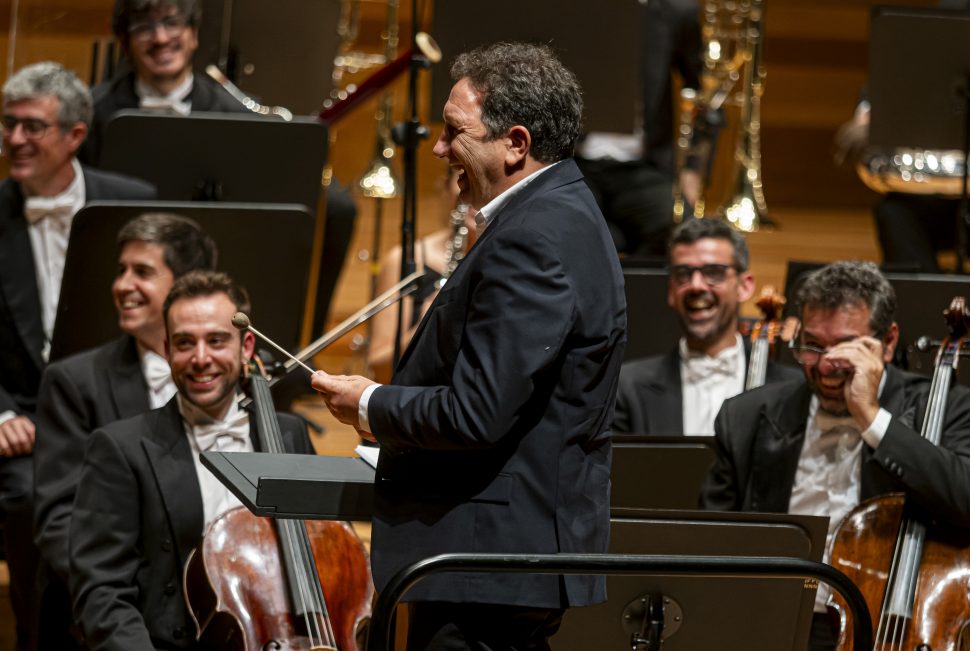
{"x":78,"y":395}
{"x":495,"y":431}
{"x":119,"y":94}
{"x":649,"y":399}
{"x":137,"y":516}
{"x":21,"y":328}
{"x":759,"y":437}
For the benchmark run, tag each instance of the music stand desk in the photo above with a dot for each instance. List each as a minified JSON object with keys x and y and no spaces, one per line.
{"x":302,"y":486}
{"x":659,"y":472}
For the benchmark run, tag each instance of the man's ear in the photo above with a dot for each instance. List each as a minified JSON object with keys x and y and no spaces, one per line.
{"x":890,"y":341}
{"x":248,"y":345}
{"x":519,"y":144}
{"x":76,"y":135}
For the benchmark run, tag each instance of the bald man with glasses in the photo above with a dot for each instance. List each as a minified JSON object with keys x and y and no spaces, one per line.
{"x":679,"y":392}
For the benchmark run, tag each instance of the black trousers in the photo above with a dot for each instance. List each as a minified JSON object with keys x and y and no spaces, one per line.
{"x":443,"y":626}
{"x":17,"y":513}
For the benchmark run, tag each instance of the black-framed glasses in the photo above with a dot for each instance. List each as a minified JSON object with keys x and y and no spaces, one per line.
{"x":173,"y":26}
{"x":806,"y":355}
{"x":32,"y":128}
{"x":713,"y":274}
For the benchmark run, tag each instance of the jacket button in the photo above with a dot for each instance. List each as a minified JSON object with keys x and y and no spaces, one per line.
{"x":166,"y":545}
{"x":170,"y":589}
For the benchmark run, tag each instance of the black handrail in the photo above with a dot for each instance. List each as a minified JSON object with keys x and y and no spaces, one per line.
{"x":763,"y":566}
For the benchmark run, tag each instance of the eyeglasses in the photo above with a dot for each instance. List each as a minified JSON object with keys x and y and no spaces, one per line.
{"x":32,"y":128}
{"x":143,"y":30}
{"x":807,"y":355}
{"x":713,"y":274}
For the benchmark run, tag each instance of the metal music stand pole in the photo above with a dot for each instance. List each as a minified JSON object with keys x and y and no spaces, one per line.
{"x":963,"y":222}
{"x":409,"y":135}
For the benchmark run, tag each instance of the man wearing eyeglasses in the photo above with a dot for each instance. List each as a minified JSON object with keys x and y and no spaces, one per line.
{"x":680,"y":392}
{"x":849,"y":429}
{"x":46,"y":111}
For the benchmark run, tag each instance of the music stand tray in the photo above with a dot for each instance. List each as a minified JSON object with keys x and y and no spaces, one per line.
{"x":652,"y":327}
{"x":659,"y":472}
{"x":302,"y":486}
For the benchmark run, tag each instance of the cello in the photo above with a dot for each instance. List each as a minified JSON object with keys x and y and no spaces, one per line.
{"x":764,"y":333}
{"x":257,"y":584}
{"x":913,"y":574}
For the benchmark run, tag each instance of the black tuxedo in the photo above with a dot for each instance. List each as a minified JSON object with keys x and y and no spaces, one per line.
{"x":495,"y":432}
{"x":649,"y":399}
{"x":137,"y":516}
{"x":759,"y":437}
{"x":78,"y":395}
{"x":21,"y":365}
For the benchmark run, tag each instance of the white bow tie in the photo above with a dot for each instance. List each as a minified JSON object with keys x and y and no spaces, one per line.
{"x":839,"y":434}
{"x":38,"y":208}
{"x":701,"y":366}
{"x":165,"y":104}
{"x":215,"y":436}
{"x":157,"y":372}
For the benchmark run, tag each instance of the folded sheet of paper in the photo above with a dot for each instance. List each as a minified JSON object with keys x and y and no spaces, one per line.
{"x":369,"y":454}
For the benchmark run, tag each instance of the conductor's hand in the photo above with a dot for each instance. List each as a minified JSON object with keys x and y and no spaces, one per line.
{"x":862,"y":358}
{"x":341,"y":393}
{"x":16,"y":436}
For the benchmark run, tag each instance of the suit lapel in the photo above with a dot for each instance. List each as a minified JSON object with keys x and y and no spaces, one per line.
{"x":663,"y":397}
{"x":894,"y":400}
{"x":170,"y":457}
{"x":126,"y":381}
{"x":18,"y":277}
{"x":776,"y":449}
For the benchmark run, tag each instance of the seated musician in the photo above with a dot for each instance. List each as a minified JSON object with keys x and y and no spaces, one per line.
{"x":159,"y":39}
{"x":119,"y":379}
{"x":46,"y":112}
{"x":848,"y":430}
{"x":143,"y":499}
{"x":681,"y":391}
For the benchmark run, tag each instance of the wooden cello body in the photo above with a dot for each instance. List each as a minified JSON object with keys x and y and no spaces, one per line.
{"x":913,"y":572}
{"x":234,"y":584}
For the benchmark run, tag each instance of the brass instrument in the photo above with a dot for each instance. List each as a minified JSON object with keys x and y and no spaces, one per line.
{"x":378,"y":181}
{"x":734,"y":75}
{"x":455,"y":246}
{"x":913,"y":171}
{"x":244,"y":99}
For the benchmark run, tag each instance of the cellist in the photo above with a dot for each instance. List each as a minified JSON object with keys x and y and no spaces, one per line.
{"x":848,"y":430}
{"x":143,"y":499}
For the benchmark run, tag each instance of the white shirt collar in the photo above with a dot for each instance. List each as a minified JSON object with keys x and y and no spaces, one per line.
{"x":178,"y":94}
{"x":486,"y":214}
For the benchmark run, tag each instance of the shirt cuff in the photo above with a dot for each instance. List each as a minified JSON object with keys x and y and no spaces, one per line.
{"x":362,"y":417}
{"x":877,"y":429}
{"x":7,"y":415}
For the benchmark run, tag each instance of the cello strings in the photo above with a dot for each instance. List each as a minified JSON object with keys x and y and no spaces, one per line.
{"x":315,"y":631}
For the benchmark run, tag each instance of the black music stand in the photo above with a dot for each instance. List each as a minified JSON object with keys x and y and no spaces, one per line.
{"x":603,"y":59}
{"x":703,"y":612}
{"x":301,"y":486}
{"x":219,"y":156}
{"x":652,"y":327}
{"x":264,"y":247}
{"x":917,"y":105}
{"x":659,"y":472}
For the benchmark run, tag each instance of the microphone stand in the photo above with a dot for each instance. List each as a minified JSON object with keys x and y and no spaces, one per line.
{"x":409,"y":135}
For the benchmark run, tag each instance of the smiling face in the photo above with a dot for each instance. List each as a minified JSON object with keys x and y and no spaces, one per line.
{"x":464,"y":142}
{"x":40,"y":163}
{"x":708,"y":312}
{"x":205,"y":351}
{"x":161,"y":46}
{"x":823,"y":328}
{"x":139,"y":291}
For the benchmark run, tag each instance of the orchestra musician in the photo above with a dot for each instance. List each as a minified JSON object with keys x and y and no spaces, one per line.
{"x":46,"y":112}
{"x":159,"y":39}
{"x":849,"y":429}
{"x":119,"y":379}
{"x":143,"y":498}
{"x":494,"y":431}
{"x":679,"y":392}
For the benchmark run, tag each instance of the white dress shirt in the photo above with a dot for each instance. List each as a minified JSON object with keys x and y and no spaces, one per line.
{"x":49,"y":226}
{"x":706,"y":382}
{"x":231,"y":434}
{"x":158,"y":377}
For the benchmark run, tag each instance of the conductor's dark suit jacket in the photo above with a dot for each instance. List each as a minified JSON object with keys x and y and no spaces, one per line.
{"x":21,"y":328}
{"x":759,"y":437}
{"x":649,"y":399}
{"x":495,"y":433}
{"x":137,"y":516}
{"x":78,"y":395}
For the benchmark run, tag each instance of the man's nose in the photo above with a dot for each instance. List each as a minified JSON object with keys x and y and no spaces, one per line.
{"x":697,"y":280}
{"x":440,"y":147}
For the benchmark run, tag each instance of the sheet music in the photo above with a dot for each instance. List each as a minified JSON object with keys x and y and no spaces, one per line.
{"x":369,"y":454}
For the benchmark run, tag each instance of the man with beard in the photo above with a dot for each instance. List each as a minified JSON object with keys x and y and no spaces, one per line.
{"x":144,"y":499}
{"x":849,"y":429}
{"x":46,"y":112}
{"x":680,"y":392}
{"x":120,"y":379}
